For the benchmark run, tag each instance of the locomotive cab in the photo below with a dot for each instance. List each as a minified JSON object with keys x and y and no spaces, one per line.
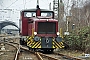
{"x":39,"y":30}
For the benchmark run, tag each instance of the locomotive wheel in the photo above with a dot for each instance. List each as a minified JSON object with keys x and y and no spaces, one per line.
{"x":21,"y":42}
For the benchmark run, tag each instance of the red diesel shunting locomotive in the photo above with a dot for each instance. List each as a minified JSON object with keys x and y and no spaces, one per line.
{"x":41,"y":30}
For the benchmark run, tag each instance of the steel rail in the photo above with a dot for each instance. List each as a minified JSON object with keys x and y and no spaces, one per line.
{"x":67,"y":57}
{"x":16,"y":55}
{"x":36,"y":53}
{"x":48,"y":56}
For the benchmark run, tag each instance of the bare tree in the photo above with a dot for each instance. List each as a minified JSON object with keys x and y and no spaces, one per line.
{"x":86,"y":9}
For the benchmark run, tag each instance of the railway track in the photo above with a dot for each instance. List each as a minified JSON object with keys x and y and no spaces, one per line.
{"x":27,"y":54}
{"x":8,"y":51}
{"x":59,"y":56}
{"x":19,"y":52}
{"x":67,"y":57}
{"x":54,"y":56}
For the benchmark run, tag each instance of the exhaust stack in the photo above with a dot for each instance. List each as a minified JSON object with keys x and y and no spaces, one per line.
{"x":38,"y":11}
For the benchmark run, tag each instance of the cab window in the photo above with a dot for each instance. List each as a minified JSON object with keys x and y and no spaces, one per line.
{"x":29,"y":14}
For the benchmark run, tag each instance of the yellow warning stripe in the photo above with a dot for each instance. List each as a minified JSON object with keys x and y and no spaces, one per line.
{"x":61,"y":43}
{"x":38,"y":45}
{"x":28,"y":37}
{"x":28,"y":42}
{"x":35,"y":44}
{"x":58,"y":44}
{"x":54,"y":45}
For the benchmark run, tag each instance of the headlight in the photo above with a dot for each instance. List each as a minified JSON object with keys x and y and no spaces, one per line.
{"x":35,"y":33}
{"x":58,"y":33}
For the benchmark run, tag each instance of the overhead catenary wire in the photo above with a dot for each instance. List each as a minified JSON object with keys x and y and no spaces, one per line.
{"x":12,"y":3}
{"x":22,"y":3}
{"x":16,"y":5}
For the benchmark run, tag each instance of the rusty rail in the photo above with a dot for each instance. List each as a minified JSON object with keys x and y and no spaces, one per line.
{"x":39,"y":57}
{"x":17,"y":53}
{"x":36,"y":53}
{"x":51,"y":58}
{"x":12,"y":44}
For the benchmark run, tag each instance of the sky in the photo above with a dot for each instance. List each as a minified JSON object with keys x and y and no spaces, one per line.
{"x":17,"y":5}
{"x":24,"y":4}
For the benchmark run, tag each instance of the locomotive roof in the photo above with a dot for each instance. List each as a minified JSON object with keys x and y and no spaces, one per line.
{"x":35,"y":10}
